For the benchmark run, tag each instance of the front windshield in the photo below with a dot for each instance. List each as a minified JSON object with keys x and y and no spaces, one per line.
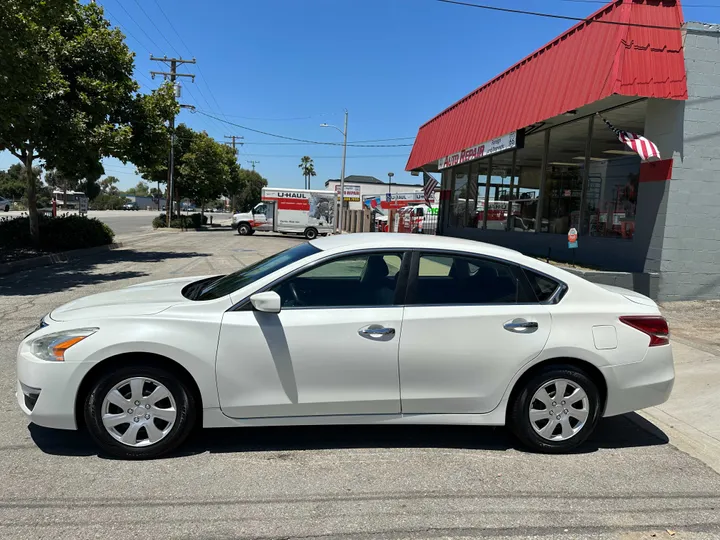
{"x":237,"y":280}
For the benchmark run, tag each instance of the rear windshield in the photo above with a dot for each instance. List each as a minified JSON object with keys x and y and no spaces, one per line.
{"x":222,"y":286}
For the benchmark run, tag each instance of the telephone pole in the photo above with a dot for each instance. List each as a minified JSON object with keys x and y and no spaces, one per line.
{"x":253,"y":163}
{"x":234,"y":139}
{"x":172,"y":75}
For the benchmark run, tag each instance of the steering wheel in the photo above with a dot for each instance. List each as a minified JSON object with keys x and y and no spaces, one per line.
{"x":294,"y":292}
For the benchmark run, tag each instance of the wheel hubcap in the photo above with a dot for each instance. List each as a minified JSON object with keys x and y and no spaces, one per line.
{"x":139,"y":412}
{"x":559,"y":409}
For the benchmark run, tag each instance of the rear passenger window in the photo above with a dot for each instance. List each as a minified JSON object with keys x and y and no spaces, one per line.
{"x":543,"y":286}
{"x":447,"y":280}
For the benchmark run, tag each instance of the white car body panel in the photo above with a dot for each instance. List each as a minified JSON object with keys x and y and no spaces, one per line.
{"x":442,"y":366}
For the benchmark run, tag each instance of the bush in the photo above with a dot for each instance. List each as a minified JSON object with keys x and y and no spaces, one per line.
{"x":193,"y":221}
{"x":56,"y":234}
{"x":105,"y":201}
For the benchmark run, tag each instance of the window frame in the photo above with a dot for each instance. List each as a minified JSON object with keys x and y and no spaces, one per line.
{"x":517,"y":271}
{"x":400,"y":290}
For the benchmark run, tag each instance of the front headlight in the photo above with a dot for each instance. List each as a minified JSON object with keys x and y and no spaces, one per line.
{"x":52,"y":347}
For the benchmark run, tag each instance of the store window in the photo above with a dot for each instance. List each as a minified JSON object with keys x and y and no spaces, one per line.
{"x":611,"y":199}
{"x":524,"y":185}
{"x":565,"y":172}
{"x":463,"y":197}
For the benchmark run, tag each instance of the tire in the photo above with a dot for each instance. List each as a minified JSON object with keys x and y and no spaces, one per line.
{"x":573,"y":427}
{"x":7,"y":207}
{"x":171,"y":434}
{"x":311,"y":233}
{"x":244,"y":229}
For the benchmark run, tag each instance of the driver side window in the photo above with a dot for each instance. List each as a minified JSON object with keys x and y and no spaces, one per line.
{"x":260,"y":209}
{"x":367,"y":280}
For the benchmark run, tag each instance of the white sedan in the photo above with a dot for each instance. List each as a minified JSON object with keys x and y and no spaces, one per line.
{"x":351,"y":329}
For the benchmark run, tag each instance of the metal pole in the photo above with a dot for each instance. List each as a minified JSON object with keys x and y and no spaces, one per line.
{"x":342,"y":173}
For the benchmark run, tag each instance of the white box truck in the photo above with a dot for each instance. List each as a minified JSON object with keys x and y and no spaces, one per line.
{"x":290,"y":211}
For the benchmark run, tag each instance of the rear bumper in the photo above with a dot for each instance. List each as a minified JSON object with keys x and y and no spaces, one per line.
{"x":632,"y":387}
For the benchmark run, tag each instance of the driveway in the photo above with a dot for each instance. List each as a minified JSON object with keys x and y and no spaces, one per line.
{"x":383,"y":482}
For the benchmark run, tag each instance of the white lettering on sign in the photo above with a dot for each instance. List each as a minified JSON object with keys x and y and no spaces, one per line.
{"x":506,"y":142}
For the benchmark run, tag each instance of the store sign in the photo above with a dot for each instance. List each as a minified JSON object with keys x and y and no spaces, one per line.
{"x":506,"y":142}
{"x":352,"y":192}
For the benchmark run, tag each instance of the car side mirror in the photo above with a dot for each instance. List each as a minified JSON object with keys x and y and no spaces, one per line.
{"x":267,"y":302}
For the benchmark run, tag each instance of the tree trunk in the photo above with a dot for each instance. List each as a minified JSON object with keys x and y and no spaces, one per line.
{"x":34,"y":219}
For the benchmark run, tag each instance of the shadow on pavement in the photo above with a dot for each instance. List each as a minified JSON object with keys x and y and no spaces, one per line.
{"x":626,"y":431}
{"x":83,"y":271}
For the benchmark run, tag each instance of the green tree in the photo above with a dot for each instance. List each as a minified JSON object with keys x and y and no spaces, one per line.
{"x":308,"y":169}
{"x":140,"y":190}
{"x":107,"y":185}
{"x":72,"y":99}
{"x":250,"y":192}
{"x":205,"y":169}
{"x":13,"y":182}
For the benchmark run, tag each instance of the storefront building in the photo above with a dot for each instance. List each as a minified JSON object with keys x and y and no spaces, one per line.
{"x":528,"y":156}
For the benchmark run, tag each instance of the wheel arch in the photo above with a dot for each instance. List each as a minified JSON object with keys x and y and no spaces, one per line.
{"x":590,"y":369}
{"x":123,"y":359}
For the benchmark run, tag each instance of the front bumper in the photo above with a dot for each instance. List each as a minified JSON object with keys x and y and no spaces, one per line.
{"x":53,"y":387}
{"x":632,"y":387}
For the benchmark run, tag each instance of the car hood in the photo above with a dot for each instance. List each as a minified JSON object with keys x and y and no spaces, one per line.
{"x":136,"y":300}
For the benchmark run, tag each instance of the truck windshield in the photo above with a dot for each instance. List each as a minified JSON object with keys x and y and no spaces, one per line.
{"x":232,"y":282}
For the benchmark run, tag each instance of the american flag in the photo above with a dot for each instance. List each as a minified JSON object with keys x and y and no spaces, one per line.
{"x":645,"y":148}
{"x":429,"y":188}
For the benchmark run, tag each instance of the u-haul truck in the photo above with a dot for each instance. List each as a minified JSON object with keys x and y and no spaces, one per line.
{"x":294,"y":211}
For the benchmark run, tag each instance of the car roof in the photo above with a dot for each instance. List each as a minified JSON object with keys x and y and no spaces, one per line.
{"x":409,"y":241}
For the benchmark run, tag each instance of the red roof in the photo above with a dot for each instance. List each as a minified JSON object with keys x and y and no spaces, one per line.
{"x":587,"y":63}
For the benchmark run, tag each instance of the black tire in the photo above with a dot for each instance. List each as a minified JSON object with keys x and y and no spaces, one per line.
{"x":184,"y":422}
{"x":7,"y":207}
{"x":519,"y":412}
{"x":244,"y":229}
{"x":311,"y":233}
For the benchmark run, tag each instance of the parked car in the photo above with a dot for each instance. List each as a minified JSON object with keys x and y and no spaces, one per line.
{"x":5,"y":204}
{"x":349,"y":329}
{"x":131,"y":206}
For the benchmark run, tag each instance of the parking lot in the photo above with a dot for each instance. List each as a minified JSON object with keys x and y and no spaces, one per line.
{"x":386,"y":482}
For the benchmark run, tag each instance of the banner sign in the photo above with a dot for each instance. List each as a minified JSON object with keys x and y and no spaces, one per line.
{"x":352,"y":192}
{"x":501,"y":144}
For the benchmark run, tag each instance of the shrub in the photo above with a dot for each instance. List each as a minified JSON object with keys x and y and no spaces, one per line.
{"x":193,"y":221}
{"x":56,"y":234}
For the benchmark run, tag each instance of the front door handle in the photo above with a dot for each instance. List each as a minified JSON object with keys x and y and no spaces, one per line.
{"x":376,"y":331}
{"x":521,"y":326}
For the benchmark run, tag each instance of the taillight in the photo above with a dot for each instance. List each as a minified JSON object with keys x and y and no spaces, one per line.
{"x":655,"y":327}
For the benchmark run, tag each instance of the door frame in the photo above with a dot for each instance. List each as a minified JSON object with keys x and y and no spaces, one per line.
{"x":401,"y":289}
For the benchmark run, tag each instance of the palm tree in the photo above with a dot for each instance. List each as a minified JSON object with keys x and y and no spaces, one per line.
{"x":308,"y":169}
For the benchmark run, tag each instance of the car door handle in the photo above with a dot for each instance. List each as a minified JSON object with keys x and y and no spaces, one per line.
{"x":376,"y":331}
{"x":521,"y":326}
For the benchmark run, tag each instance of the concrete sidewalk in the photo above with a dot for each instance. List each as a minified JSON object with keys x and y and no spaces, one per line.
{"x":691,"y":418}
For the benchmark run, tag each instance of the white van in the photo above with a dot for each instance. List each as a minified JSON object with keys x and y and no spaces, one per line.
{"x":294,"y":211}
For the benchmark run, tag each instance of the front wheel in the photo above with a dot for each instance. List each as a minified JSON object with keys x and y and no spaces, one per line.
{"x":244,"y":229}
{"x":556,"y":410}
{"x":7,"y":207}
{"x":311,"y":233}
{"x":139,"y":412}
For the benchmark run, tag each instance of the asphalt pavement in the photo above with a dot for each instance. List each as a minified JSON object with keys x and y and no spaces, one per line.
{"x":354,"y":483}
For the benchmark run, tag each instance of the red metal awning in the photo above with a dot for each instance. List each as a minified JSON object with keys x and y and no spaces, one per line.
{"x":587,"y":63}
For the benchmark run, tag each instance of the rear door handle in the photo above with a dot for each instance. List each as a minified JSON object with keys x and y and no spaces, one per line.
{"x":376,"y":331}
{"x":521,"y":326}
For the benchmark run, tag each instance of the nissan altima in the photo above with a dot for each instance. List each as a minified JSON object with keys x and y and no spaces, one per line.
{"x":349,"y":329}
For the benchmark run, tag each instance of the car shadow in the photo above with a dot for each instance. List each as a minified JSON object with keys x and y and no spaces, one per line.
{"x":83,"y":271}
{"x":627,"y":431}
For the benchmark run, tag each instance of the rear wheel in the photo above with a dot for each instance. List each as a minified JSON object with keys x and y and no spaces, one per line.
{"x":556,"y":410}
{"x":7,"y":207}
{"x":244,"y":229}
{"x":139,"y":412}
{"x":311,"y":233}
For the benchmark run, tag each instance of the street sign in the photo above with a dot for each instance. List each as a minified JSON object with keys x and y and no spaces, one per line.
{"x":572,"y":238}
{"x":388,"y":197}
{"x":83,"y":205}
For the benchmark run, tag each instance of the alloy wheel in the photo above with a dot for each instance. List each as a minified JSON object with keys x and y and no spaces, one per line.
{"x":139,"y":412}
{"x":559,"y":409}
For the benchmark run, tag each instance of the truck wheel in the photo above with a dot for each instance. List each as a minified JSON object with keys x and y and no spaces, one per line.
{"x":244,"y":229}
{"x":311,"y":233}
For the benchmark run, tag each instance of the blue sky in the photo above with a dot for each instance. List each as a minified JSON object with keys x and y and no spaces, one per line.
{"x":286,"y":66}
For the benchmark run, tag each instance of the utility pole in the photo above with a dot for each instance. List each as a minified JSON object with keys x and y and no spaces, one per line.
{"x":253,"y":163}
{"x":172,"y":75}
{"x":234,"y":141}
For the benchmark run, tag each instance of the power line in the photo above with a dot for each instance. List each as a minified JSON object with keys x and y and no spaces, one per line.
{"x":555,"y":16}
{"x":269,"y":119}
{"x":604,"y":2}
{"x":140,"y":27}
{"x":156,"y":28}
{"x":301,"y":140}
{"x":295,"y":156}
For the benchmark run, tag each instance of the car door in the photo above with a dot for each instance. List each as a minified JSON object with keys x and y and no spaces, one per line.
{"x":262,"y":220}
{"x":332,"y":349}
{"x":470,"y":323}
